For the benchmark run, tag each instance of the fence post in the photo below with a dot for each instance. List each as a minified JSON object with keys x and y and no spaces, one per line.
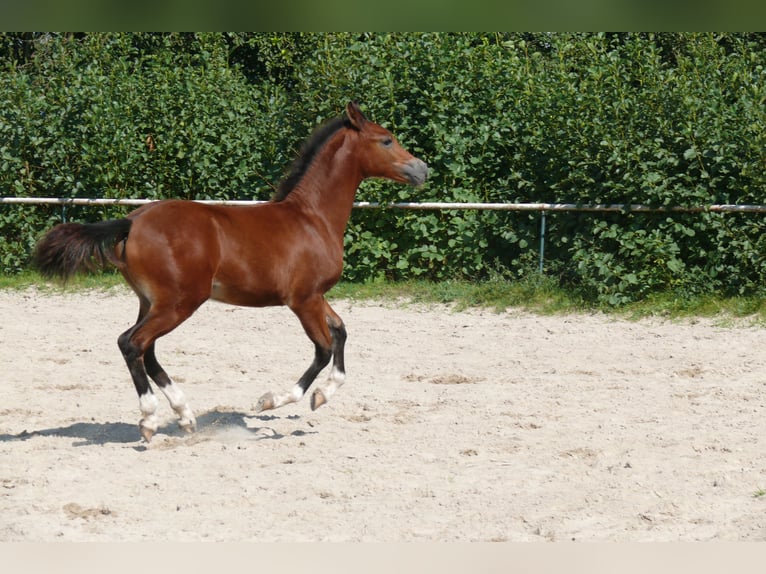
{"x":542,"y":241}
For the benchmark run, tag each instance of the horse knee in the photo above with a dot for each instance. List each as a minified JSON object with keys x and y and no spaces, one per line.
{"x":322,"y":356}
{"x":129,"y":350}
{"x":339,"y":334}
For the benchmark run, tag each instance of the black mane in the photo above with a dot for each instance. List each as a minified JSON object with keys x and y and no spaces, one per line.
{"x":309,"y":151}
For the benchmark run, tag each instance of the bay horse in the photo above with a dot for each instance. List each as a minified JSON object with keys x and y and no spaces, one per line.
{"x":177,"y":254}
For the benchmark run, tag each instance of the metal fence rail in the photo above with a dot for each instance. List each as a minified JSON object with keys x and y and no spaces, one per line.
{"x":542,"y":208}
{"x":539,"y":207}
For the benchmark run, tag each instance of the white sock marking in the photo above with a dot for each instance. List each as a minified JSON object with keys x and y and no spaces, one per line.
{"x":296,"y":394}
{"x":334,"y":382}
{"x":292,"y":396}
{"x":148,"y":404}
{"x":177,"y":400}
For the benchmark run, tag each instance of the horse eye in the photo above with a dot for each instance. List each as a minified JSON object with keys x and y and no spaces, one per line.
{"x":388,"y":142}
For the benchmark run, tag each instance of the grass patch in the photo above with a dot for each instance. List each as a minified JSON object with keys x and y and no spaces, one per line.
{"x":534,"y":293}
{"x":537,"y":294}
{"x":674,"y":306}
{"x":541,"y":294}
{"x":20,"y":281}
{"x":97,"y":281}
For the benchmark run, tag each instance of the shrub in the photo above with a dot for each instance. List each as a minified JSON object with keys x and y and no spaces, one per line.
{"x":658,"y":119}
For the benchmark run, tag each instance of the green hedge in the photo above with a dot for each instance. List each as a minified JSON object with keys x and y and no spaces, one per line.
{"x":659,"y":119}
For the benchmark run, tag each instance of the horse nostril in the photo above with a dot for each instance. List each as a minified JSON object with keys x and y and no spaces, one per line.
{"x":416,"y":171}
{"x":421,"y":172}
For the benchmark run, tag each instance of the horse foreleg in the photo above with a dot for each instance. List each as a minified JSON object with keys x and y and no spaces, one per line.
{"x":312,"y":316}
{"x":273,"y":401}
{"x":338,"y":372}
{"x":323,"y":327}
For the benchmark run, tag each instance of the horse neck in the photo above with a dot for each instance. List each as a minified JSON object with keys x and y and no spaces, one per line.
{"x":328,"y":188}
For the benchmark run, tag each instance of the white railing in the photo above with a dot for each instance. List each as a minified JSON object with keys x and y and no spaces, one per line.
{"x":603,"y":207}
{"x":542,"y":208}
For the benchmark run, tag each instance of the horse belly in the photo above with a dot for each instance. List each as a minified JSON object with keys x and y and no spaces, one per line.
{"x":247,"y":280}
{"x":245,"y":296}
{"x":279,"y":280}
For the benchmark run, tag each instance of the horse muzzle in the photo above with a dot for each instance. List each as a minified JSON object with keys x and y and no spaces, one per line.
{"x":415,"y":171}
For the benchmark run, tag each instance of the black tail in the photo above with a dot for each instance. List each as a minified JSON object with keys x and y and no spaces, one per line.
{"x":73,"y":247}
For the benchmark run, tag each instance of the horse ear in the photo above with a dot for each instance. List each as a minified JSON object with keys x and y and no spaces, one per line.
{"x":355,"y":115}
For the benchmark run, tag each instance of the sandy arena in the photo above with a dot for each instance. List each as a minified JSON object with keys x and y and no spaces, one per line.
{"x":452,"y":426}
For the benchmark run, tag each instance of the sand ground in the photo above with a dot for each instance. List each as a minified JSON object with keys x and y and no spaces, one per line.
{"x":452,"y":426}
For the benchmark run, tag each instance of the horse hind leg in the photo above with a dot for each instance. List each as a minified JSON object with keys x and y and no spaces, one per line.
{"x":171,"y":390}
{"x":137,"y":346}
{"x":147,"y":401}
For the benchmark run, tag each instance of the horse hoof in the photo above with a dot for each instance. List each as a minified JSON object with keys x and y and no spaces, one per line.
{"x":317,"y":399}
{"x":265,"y":403}
{"x":147,"y":433}
{"x":188,"y":426}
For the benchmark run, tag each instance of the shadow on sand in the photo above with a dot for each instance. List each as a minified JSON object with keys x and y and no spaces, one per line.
{"x":208,"y":425}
